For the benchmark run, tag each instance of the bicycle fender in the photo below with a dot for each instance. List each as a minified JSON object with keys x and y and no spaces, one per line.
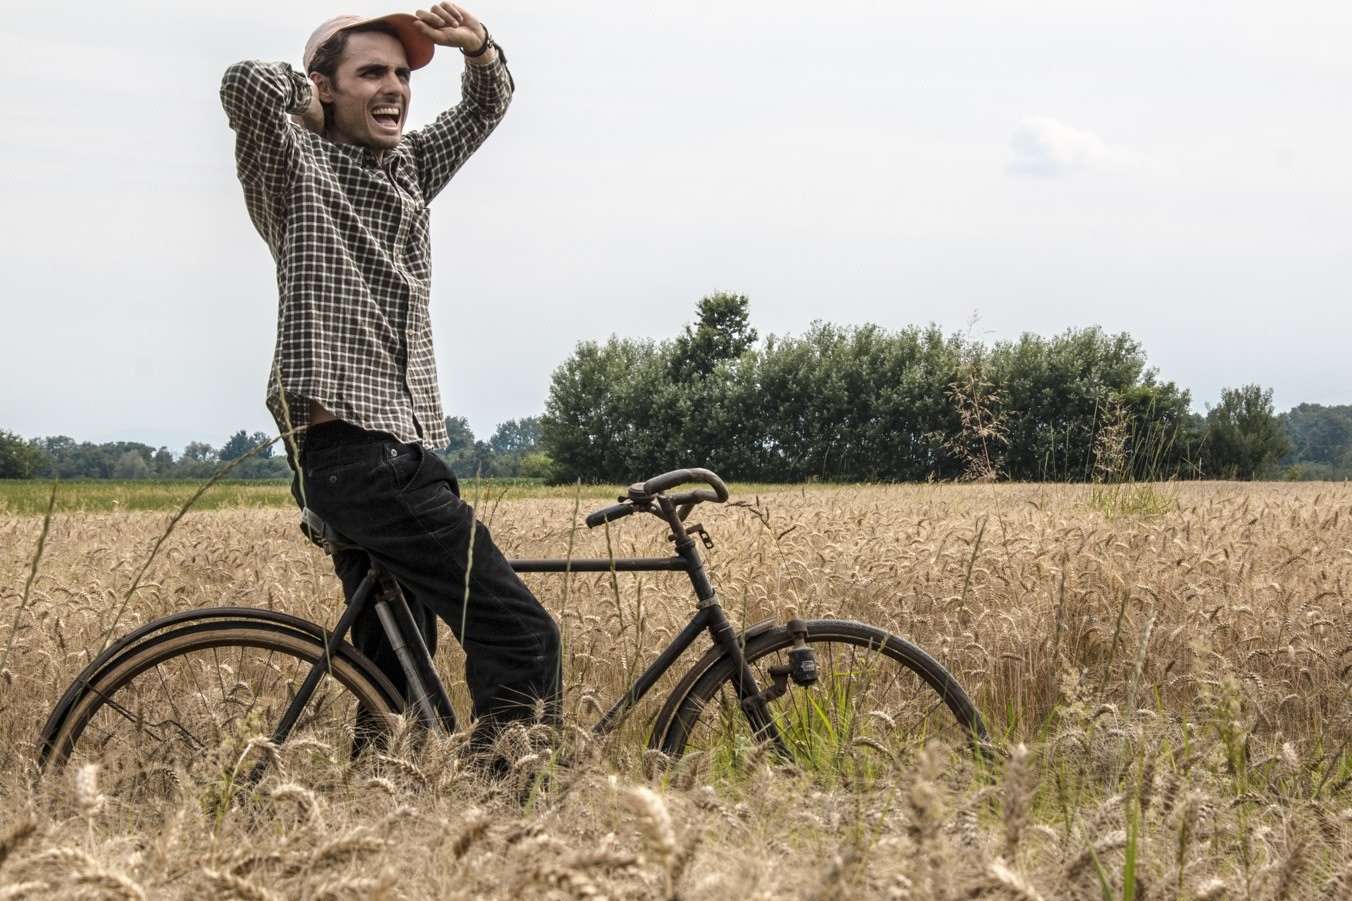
{"x":701,"y":666}
{"x":114,"y":651}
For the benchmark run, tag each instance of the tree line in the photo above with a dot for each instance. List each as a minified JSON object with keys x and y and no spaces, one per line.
{"x":512,"y":451}
{"x":62,"y":457}
{"x":863,"y":403}
{"x":841,"y":403}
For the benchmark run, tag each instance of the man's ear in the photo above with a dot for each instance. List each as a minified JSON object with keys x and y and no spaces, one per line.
{"x":322,"y":87}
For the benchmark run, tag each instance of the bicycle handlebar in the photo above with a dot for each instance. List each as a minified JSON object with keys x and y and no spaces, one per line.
{"x":609,"y":514}
{"x":641,"y":492}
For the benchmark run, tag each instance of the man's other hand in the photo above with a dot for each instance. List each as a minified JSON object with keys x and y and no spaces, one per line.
{"x":450,"y":26}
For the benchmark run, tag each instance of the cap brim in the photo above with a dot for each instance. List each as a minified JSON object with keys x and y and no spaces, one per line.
{"x":417,"y":48}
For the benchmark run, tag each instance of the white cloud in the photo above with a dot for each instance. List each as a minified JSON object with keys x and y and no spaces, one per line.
{"x":1045,"y":147}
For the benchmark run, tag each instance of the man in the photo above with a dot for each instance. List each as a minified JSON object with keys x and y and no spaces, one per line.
{"x":340,"y":195}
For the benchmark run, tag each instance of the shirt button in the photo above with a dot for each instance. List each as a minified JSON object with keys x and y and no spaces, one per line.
{"x":394,"y":452}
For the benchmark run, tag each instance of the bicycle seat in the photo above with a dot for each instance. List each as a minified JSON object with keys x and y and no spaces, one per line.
{"x":323,"y":534}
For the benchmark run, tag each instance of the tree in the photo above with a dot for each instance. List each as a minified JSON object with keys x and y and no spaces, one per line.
{"x":600,"y":422}
{"x":236,"y":446}
{"x":55,"y":445}
{"x":505,"y":453}
{"x":57,"y":449}
{"x":461,"y":435}
{"x":20,"y":459}
{"x":1321,"y":439}
{"x":478,"y":461}
{"x":199,"y":452}
{"x":131,"y":465}
{"x":258,"y":439}
{"x":1244,"y":439}
{"x":460,"y":447}
{"x":536,"y":465}
{"x":162,"y":462}
{"x":723,"y":332}
{"x":1056,"y":390}
{"x":516,"y":436}
{"x":240,"y":443}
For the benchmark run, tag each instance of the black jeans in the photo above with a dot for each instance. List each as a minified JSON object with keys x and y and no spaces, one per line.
{"x":402,"y":504}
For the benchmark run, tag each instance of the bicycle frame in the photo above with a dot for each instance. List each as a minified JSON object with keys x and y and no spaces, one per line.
{"x":427,"y":695}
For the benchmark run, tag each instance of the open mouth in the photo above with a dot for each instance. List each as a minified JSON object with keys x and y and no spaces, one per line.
{"x":387,"y":117}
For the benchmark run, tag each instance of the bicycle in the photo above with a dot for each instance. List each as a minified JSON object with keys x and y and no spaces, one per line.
{"x":815,"y":690}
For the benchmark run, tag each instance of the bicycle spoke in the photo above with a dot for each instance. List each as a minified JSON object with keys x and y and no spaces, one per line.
{"x":141,"y":724}
{"x":186,"y":711}
{"x":169,"y":697}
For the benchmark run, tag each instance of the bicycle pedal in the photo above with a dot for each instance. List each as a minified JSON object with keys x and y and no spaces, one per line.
{"x":779,"y":684}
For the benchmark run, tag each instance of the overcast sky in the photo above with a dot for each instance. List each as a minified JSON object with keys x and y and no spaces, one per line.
{"x":1176,"y":170}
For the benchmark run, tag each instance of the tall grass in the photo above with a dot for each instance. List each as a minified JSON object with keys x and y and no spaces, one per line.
{"x":1128,"y":470}
{"x":1177,"y":681}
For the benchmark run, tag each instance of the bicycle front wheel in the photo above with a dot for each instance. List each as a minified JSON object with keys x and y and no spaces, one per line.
{"x":190,"y":695}
{"x":877,"y":699}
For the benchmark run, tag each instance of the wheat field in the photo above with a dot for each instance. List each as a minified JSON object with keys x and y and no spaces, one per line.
{"x":1168,"y":689}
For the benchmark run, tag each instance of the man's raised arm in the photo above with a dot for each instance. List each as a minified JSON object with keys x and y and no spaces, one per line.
{"x":486,"y":87}
{"x":258,"y":97}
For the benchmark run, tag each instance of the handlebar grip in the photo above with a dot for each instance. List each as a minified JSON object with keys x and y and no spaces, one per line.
{"x":609,"y":514}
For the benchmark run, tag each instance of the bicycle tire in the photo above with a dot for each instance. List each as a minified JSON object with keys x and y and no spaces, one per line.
{"x":712,"y":693}
{"x":107,"y":687}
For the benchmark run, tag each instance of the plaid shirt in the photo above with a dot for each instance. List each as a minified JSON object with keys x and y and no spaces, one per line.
{"x":350,"y":238}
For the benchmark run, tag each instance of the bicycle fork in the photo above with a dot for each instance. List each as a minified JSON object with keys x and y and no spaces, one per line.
{"x":754,"y":701}
{"x":426,"y":695}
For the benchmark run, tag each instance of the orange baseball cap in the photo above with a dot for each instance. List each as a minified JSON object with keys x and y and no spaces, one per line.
{"x":418,"y":48}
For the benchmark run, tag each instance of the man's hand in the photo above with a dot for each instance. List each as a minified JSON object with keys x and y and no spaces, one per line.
{"x":450,"y":26}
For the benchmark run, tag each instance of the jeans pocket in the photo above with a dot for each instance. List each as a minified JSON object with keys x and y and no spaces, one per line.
{"x":325,"y":458}
{"x":406,"y":463}
{"x":342,"y":468}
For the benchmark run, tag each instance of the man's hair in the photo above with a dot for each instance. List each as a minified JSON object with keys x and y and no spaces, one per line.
{"x":330,"y":52}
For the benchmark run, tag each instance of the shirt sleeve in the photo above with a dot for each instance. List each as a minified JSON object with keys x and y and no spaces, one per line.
{"x":258,"y":98}
{"x":441,"y":148}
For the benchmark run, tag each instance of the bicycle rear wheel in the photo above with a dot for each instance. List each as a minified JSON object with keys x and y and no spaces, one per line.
{"x":878,"y":698}
{"x":187,"y":696}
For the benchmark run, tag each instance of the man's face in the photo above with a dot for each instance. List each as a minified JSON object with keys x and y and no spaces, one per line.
{"x":369,"y":91}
